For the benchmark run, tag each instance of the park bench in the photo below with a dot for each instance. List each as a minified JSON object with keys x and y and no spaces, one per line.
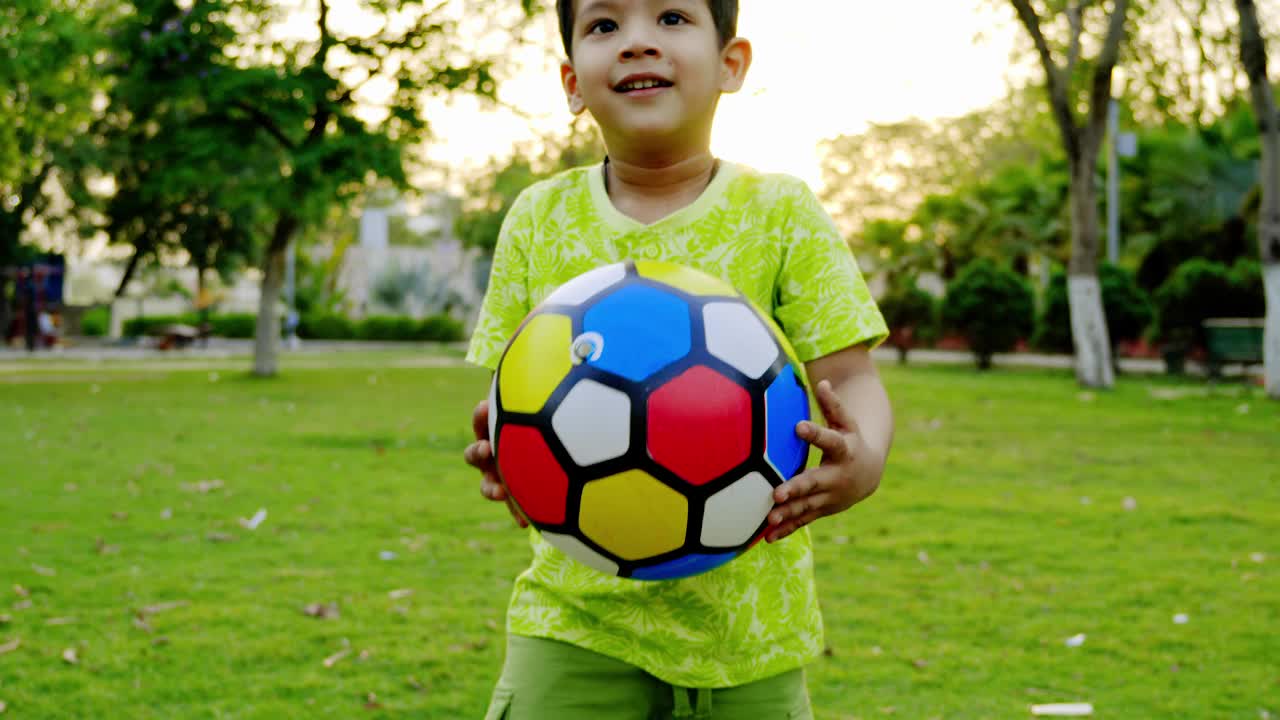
{"x":1233,"y":340}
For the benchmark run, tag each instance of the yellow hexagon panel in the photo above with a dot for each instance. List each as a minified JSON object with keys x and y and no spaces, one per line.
{"x":678,"y":276}
{"x":536,"y":363}
{"x":633,"y":516}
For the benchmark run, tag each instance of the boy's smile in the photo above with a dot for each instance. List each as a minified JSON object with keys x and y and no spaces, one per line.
{"x":651,"y":73}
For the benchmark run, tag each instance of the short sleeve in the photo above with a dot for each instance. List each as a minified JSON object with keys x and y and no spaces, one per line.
{"x":506,"y":301}
{"x":823,"y":303}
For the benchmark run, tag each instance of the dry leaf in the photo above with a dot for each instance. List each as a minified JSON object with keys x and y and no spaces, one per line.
{"x":22,"y":605}
{"x":140,"y":622}
{"x":204,"y":487}
{"x":163,"y":607}
{"x":3,"y":707}
{"x":414,"y":683}
{"x":336,"y":658}
{"x":22,"y":592}
{"x":400,"y":594}
{"x":220,"y":537}
{"x":323,"y":611}
{"x":253,"y":522}
{"x":364,"y":655}
{"x":104,"y":549}
{"x":42,"y":570}
{"x":10,"y":646}
{"x":119,"y":516}
{"x":162,"y":640}
{"x":5,"y":619}
{"x":70,"y":656}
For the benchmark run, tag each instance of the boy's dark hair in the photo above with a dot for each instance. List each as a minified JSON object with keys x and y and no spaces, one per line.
{"x":724,"y":12}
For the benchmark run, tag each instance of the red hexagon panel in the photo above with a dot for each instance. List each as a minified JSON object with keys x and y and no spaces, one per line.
{"x":699,"y":425}
{"x":532,"y":474}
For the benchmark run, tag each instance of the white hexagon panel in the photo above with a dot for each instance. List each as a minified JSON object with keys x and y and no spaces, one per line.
{"x":593,"y":423}
{"x":587,"y":285}
{"x":734,"y":513}
{"x":578,"y":550}
{"x":737,"y":336}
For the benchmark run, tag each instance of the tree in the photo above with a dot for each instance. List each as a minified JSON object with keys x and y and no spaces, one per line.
{"x":1081,"y":139}
{"x":1253,"y":55}
{"x":45,"y":108}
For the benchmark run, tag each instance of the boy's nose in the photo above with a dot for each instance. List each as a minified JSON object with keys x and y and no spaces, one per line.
{"x":639,"y":44}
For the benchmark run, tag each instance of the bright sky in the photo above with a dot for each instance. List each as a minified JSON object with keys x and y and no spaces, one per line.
{"x":822,"y":68}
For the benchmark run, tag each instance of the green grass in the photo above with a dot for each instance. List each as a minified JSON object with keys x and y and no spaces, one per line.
{"x":1001,"y":530}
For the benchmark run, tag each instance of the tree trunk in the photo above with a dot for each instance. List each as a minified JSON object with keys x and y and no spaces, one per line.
{"x":1084,"y":293}
{"x":1253,"y":55}
{"x":266,"y":346}
{"x":129,"y":270}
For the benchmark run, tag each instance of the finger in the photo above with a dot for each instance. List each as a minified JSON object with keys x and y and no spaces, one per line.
{"x":791,"y":526}
{"x":829,"y":440}
{"x":833,"y":407}
{"x":806,"y":483}
{"x":800,"y":507}
{"x":492,"y":488}
{"x":479,"y":454}
{"x":480,"y":420}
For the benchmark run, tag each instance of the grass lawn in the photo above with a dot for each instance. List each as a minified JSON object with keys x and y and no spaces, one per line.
{"x":1017,"y":512}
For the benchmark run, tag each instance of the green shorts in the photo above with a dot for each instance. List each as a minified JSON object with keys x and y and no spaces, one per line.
{"x":550,"y":680}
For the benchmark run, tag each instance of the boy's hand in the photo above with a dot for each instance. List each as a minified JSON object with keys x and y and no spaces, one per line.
{"x":850,"y":470}
{"x":479,"y":455}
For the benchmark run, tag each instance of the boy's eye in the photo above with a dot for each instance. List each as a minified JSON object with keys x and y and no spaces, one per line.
{"x":671,"y":18}
{"x":602,"y":26}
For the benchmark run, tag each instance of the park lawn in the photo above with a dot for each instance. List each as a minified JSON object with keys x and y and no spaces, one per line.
{"x":1017,"y":512}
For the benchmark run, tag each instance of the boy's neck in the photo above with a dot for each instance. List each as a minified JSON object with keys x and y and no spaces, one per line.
{"x":649,"y":193}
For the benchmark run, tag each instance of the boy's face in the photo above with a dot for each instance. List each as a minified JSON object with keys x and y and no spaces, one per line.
{"x":651,"y":71}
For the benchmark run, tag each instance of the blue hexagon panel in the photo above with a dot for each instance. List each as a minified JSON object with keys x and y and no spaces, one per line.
{"x":643,"y":330}
{"x":683,"y":567}
{"x":786,"y":403}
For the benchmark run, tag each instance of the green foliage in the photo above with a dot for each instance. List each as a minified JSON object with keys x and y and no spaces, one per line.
{"x":912,"y":317}
{"x":497,"y":190}
{"x":436,"y":328}
{"x":1127,"y":306}
{"x":992,"y":306}
{"x":240,"y":326}
{"x":325,"y":326}
{"x":96,"y":321}
{"x":1199,"y":289}
{"x":156,"y":324}
{"x":440,"y":328}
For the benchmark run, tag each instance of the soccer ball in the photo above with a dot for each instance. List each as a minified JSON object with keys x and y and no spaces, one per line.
{"x":642,"y":416}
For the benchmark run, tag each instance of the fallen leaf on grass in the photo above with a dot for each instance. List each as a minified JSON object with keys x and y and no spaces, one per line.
{"x":1062,"y":710}
{"x":414,"y":683}
{"x":371,"y":702}
{"x":220,"y":537}
{"x":336,"y":658}
{"x":1181,"y":619}
{"x":204,"y":487}
{"x":3,"y":707}
{"x":10,"y":646}
{"x":70,"y":656}
{"x":163,"y":607}
{"x":140,"y":622}
{"x":400,"y":594}
{"x":1076,"y":640}
{"x":104,"y":549}
{"x":22,"y":592}
{"x":323,"y":611}
{"x":22,"y":605}
{"x":1258,"y":557}
{"x":253,"y":522}
{"x":42,"y":570}
{"x":119,"y":516}
{"x":5,"y":619}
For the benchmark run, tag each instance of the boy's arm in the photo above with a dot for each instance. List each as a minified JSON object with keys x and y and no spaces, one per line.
{"x":855,"y":442}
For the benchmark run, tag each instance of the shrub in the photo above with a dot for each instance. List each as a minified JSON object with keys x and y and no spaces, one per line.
{"x":1200,"y":289}
{"x":96,"y":321}
{"x":325,"y":326}
{"x":234,"y":326}
{"x":440,"y":328}
{"x":155,"y":324}
{"x":1128,"y":309}
{"x":992,"y":306}
{"x":386,"y":327}
{"x":912,"y":317}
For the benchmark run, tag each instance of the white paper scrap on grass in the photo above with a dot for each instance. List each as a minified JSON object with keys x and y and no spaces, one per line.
{"x":1063,"y":710}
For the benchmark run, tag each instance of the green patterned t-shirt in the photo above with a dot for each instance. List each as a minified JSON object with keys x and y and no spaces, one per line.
{"x":768,"y":236}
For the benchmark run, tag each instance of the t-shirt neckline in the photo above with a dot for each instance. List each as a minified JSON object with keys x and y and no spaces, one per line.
{"x":696,"y":209}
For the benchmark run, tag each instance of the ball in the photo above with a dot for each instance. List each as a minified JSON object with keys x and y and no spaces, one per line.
{"x":642,"y":415}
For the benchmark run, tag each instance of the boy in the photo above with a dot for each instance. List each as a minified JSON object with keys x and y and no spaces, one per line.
{"x":583,"y":644}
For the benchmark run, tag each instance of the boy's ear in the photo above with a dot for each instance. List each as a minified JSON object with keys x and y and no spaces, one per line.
{"x":735,"y":60}
{"x":569,"y":79}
